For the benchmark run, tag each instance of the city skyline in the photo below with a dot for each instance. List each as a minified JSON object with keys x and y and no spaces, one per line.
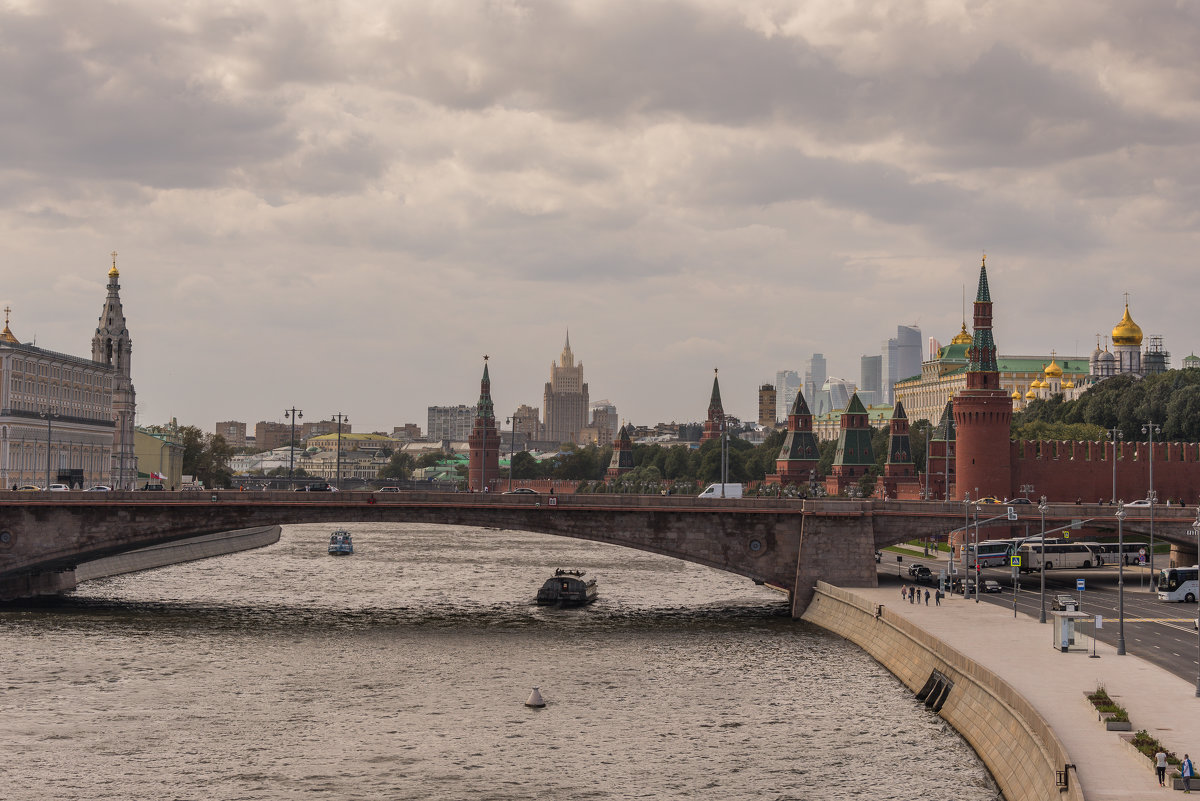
{"x":343,"y":208}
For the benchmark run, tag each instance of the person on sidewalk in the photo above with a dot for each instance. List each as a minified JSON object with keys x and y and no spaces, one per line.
{"x":937,"y":597}
{"x":1160,"y":767}
{"x":927,"y":597}
{"x":1186,"y":770}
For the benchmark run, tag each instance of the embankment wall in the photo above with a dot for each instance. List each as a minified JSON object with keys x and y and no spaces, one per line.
{"x":1008,"y":734}
{"x":173,"y":553}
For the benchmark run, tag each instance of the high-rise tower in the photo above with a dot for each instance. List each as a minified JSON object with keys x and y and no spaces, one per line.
{"x":112,"y":346}
{"x":983,"y":412}
{"x":565,"y":398}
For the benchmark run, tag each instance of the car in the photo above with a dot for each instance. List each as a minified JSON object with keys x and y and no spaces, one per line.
{"x":521,"y":491}
{"x":1140,"y":502}
{"x":917,"y":569}
{"x":388,"y":489}
{"x":992,"y":586}
{"x":988,"y":500}
{"x":1066,"y":602}
{"x":59,"y":488}
{"x":1020,"y":501}
{"x":29,"y":488}
{"x":99,"y":488}
{"x":153,"y":488}
{"x":320,"y":488}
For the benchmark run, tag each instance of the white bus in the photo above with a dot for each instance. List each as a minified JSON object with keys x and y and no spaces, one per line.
{"x":1059,"y":556}
{"x":1179,"y":584}
{"x":992,"y":553}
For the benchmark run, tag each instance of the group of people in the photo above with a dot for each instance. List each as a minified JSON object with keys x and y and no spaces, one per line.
{"x":913,"y":595}
{"x":1186,"y":770}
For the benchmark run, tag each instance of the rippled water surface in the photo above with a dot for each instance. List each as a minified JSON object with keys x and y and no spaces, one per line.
{"x":401,"y":672}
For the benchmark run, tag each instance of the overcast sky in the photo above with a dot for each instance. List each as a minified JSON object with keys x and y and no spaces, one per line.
{"x":343,"y":206}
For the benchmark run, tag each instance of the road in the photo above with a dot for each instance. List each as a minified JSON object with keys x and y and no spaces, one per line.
{"x":1160,"y":632}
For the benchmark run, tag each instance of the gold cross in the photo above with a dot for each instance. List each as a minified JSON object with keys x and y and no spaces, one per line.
{"x":114,"y":255}
{"x":6,"y":311}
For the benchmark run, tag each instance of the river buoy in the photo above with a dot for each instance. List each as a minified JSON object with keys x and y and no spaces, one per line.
{"x":535,"y":699}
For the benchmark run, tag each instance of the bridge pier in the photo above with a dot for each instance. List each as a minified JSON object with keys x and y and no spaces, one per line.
{"x":839,"y":550}
{"x":32,"y":585}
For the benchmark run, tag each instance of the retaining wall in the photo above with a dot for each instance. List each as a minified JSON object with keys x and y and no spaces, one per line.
{"x":1008,"y":734}
{"x":173,"y":553}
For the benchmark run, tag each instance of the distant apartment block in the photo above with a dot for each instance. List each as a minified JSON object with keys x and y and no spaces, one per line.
{"x":233,"y":432}
{"x":767,"y":406}
{"x":409,"y":432}
{"x":452,"y":423}
{"x":320,"y":428}
{"x":604,"y":421}
{"x":527,"y":420}
{"x":269,"y":436}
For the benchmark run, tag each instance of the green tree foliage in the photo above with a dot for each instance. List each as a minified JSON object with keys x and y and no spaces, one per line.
{"x":430,"y":459}
{"x":1170,"y":399}
{"x":206,"y":456}
{"x":525,"y":466}
{"x":400,"y":466}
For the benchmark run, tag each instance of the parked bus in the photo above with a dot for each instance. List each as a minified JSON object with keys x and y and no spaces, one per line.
{"x":1059,"y":555}
{"x":1129,"y":555}
{"x":1179,"y":584}
{"x":992,"y":553}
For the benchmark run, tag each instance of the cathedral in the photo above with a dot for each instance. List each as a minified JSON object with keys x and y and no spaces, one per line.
{"x":69,"y":419}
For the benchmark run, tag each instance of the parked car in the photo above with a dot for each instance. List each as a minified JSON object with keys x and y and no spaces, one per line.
{"x":59,"y":488}
{"x":992,"y":586}
{"x":99,"y":488}
{"x":521,"y":491}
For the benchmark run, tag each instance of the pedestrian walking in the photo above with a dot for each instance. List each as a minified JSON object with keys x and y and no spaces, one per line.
{"x":912,"y":595}
{"x":903,"y":593}
{"x":1160,"y":767}
{"x":927,"y":597}
{"x":1186,"y":770}
{"x":937,"y":597}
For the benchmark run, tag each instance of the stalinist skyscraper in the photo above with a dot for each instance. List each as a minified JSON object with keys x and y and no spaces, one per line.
{"x":566,"y":398}
{"x":112,"y":347}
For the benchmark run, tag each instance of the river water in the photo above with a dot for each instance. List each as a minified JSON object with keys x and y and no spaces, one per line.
{"x":401,"y":671}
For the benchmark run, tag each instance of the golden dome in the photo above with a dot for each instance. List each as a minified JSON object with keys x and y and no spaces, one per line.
{"x":962,"y":337}
{"x":1035,"y":384}
{"x":113,"y":270}
{"x":1127,"y":331}
{"x":1029,"y":395}
{"x":1016,"y":394}
{"x":1053,"y":370}
{"x":6,"y":335}
{"x":1068,"y":384}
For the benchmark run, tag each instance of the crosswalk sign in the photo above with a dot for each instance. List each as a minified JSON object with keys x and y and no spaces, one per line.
{"x":1014,"y":561}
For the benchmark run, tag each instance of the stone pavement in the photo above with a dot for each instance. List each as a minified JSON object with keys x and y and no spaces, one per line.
{"x":1020,"y":651}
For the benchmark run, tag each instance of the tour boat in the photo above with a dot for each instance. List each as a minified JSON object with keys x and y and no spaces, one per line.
{"x":568,"y":588}
{"x":340,"y":543}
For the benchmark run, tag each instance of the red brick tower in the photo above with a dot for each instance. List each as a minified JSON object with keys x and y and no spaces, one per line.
{"x":622,"y":457}
{"x":714,"y":426}
{"x":797,"y":460}
{"x":899,"y":479}
{"x":483,"y":463}
{"x":983,"y":413}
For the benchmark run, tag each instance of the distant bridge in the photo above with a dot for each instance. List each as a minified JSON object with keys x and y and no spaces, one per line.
{"x":784,"y":543}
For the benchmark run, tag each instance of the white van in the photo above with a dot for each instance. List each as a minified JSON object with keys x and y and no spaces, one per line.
{"x":714,"y":491}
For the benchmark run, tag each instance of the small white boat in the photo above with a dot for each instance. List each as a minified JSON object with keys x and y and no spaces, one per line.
{"x":340,"y":543}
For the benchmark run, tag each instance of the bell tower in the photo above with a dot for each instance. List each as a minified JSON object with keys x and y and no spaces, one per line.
{"x":111,"y":346}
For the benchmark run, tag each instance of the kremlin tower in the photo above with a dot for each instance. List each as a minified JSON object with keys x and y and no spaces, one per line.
{"x":797,"y":461}
{"x":483,"y":462}
{"x":983,"y":412}
{"x":714,"y":426}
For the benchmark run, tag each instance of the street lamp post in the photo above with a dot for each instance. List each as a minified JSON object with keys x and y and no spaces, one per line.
{"x":977,"y":575}
{"x":49,"y":414}
{"x":1114,"y":434}
{"x":294,"y":414}
{"x":1121,"y":579}
{"x":1151,"y":429}
{"x":512,"y":446}
{"x":1042,"y":507}
{"x":340,"y":418}
{"x":966,"y":536}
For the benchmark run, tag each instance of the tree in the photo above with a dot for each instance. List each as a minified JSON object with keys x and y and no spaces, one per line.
{"x":206,"y":456}
{"x":400,"y":466}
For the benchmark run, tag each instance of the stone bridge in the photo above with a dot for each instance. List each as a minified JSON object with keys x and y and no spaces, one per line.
{"x":784,"y":543}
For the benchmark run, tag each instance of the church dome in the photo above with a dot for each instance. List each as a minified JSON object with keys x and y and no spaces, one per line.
{"x":1127,"y":331}
{"x":962,"y":337}
{"x":1029,"y":395}
{"x":1107,"y":356}
{"x":1053,"y":370}
{"x":1016,"y":394}
{"x":1068,"y":384}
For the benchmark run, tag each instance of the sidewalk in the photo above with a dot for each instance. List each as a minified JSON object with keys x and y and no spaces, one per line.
{"x":1020,"y":652}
